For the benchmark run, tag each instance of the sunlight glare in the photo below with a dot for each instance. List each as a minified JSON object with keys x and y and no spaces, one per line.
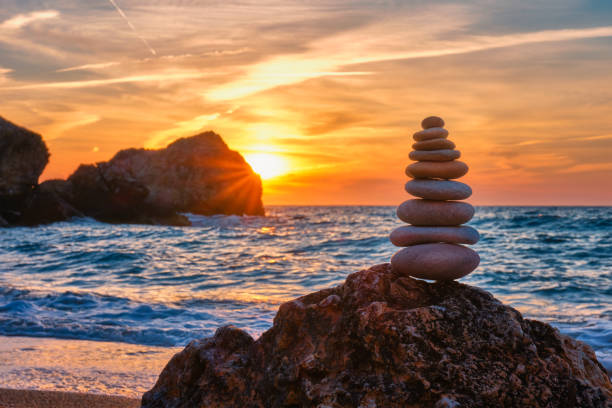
{"x":267,"y":165}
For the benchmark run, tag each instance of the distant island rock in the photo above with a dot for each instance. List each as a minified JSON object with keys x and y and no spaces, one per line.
{"x":23,"y":157}
{"x":383,"y":340}
{"x":197,"y":174}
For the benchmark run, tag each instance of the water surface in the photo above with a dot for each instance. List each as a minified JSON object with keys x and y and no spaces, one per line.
{"x":163,"y":286}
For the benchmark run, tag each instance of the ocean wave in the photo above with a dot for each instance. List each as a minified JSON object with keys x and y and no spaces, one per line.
{"x":160,"y":285}
{"x":91,"y":316}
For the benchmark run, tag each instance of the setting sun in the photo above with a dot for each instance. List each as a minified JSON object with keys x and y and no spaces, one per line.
{"x":267,"y":165}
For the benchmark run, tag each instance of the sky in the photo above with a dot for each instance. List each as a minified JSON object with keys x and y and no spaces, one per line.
{"x":323,"y":96}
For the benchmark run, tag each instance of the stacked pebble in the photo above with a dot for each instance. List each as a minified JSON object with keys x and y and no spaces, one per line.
{"x":433,"y":239}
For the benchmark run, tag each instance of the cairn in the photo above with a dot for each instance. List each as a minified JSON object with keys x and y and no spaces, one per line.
{"x":433,"y":240}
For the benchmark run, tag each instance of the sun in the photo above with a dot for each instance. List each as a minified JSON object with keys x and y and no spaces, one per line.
{"x":267,"y":165}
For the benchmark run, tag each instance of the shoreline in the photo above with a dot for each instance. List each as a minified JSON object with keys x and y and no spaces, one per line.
{"x":108,"y":369}
{"x":17,"y":398}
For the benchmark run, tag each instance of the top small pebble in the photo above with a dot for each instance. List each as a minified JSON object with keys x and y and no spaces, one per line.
{"x":432,"y":121}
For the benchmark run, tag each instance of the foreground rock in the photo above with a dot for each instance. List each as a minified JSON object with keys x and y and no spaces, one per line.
{"x":23,"y":157}
{"x":381,"y":340}
{"x":198,"y":174}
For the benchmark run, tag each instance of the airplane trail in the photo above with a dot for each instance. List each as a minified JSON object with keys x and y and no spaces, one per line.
{"x":129,"y":23}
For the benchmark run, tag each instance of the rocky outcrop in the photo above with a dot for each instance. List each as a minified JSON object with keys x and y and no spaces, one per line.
{"x":23,"y":157}
{"x":49,"y":202}
{"x":198,"y":174}
{"x":382,"y":340}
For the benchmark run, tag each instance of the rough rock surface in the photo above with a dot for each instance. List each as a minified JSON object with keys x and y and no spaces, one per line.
{"x":381,"y":340}
{"x":23,"y":157}
{"x":198,"y":174}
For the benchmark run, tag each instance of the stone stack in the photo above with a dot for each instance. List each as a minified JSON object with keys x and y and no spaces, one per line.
{"x":433,"y":241}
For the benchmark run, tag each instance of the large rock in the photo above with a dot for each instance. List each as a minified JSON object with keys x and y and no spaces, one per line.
{"x":23,"y":157}
{"x":49,"y":202}
{"x":381,"y":340}
{"x":199,"y":174}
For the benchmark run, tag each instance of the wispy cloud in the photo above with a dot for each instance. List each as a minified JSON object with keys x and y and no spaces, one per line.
{"x":489,"y":42}
{"x":129,"y":23}
{"x":22,"y":20}
{"x":184,"y":128}
{"x":333,"y":55}
{"x":587,"y":167}
{"x":157,"y":77}
{"x":3,"y":72}
{"x":84,"y":67}
{"x":65,"y":121}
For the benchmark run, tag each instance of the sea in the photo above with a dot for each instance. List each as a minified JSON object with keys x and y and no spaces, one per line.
{"x":159,"y":287}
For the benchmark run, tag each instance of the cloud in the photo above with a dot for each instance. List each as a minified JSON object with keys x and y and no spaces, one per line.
{"x":21,"y":20}
{"x":157,"y":77}
{"x":330,"y":57}
{"x":65,"y":121}
{"x":184,"y":128}
{"x":3,"y":72}
{"x":588,"y":167}
{"x":84,"y":67}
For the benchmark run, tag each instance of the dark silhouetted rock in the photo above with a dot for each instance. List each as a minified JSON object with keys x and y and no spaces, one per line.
{"x":23,"y":157}
{"x":381,"y":340}
{"x":198,"y":174}
{"x":49,"y":202}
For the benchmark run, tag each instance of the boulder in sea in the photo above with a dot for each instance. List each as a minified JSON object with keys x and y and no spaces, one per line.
{"x":198,"y":174}
{"x":49,"y":202}
{"x":23,"y":157}
{"x":385,"y":340}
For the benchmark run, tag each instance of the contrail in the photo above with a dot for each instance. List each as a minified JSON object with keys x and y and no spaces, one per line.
{"x":122,"y":14}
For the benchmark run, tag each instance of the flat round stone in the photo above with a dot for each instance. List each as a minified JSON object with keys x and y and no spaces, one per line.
{"x":432,"y":169}
{"x":435,"y":261}
{"x":427,"y":212}
{"x":431,"y":133}
{"x":434,"y":144}
{"x":432,"y":121}
{"x":409,"y":235}
{"x":434,"y":155}
{"x":438,"y":189}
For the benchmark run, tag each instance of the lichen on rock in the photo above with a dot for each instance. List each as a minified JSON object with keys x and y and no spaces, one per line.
{"x":382,"y":340}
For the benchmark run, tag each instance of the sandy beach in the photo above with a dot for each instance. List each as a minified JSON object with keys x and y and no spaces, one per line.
{"x":57,"y":399}
{"x":38,"y":372}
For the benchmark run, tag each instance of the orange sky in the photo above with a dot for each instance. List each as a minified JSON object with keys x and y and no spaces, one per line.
{"x":335,"y":88}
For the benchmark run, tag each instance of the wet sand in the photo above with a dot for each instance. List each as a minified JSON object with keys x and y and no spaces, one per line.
{"x":79,"y":366}
{"x":57,"y":399}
